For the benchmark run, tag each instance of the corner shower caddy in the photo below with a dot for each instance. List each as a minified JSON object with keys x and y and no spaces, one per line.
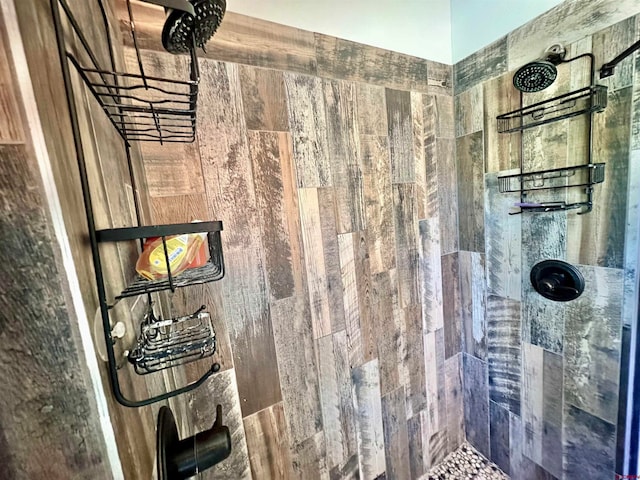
{"x":143,"y":108}
{"x":587,"y":100}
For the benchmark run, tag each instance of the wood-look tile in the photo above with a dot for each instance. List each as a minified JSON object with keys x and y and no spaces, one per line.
{"x":419,"y":137}
{"x":439,"y":447}
{"x":297,"y":364}
{"x":372,"y":110}
{"x":480,"y":66}
{"x":399,"y":119}
{"x":364,"y":283}
{"x":223,"y":388}
{"x":473,"y":303}
{"x":427,"y":159}
{"x":499,"y":437}
{"x":350,"y":298}
{"x":369,"y":429}
{"x":469,"y":156}
{"x":406,"y":235}
{"x":11,"y":129}
{"x":598,"y":237}
{"x":501,"y":150}
{"x":268,"y":444}
{"x":230,"y":192}
{"x":436,"y":416}
{"x":542,"y":386}
{"x":308,"y":125}
{"x":504,"y":356}
{"x":469,"y":112}
{"x":589,"y":445}
{"x":264,"y":99}
{"x":476,"y":403}
{"x":418,"y":445}
{"x":632,"y":238}
{"x":337,"y":404}
{"x":543,"y":319}
{"x":349,"y":471}
{"x":309,"y":458}
{"x":503,"y":241}
{"x":593,"y":332}
{"x":445,"y":113}
{"x":378,"y":196}
{"x":440,"y":78}
{"x":311,"y":225}
{"x":396,"y":435}
{"x":452,"y":320}
{"x":430,"y":274}
{"x":338,"y":58}
{"x":326,"y":204}
{"x":344,"y":154}
{"x":240,"y":39}
{"x":272,"y":171}
{"x":414,"y":361}
{"x":447,"y":194}
{"x":519,"y":462}
{"x":454,"y":398}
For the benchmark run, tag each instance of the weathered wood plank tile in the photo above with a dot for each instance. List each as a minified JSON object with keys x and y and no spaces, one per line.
{"x":418,"y":445}
{"x":542,"y":386}
{"x":469,"y":112}
{"x":447,"y":194}
{"x":279,"y":237}
{"x":268,"y":444}
{"x":372,"y":110}
{"x":469,"y":156}
{"x":480,"y":66}
{"x":337,"y":405}
{"x":526,"y":468}
{"x":440,"y":78}
{"x":427,"y":158}
{"x":451,"y":305}
{"x":598,"y":238}
{"x":338,"y":58}
{"x":436,"y":414}
{"x":476,"y":403}
{"x":501,"y":150}
{"x":499,"y":437}
{"x":230,"y":192}
{"x":326,"y":204}
{"x":430,"y":274}
{"x":223,"y":388}
{"x":406,"y":234}
{"x":308,"y":125}
{"x":344,"y":154}
{"x":504,"y":354}
{"x":240,"y":39}
{"x":396,"y":435}
{"x":454,"y":398}
{"x":438,"y":447}
{"x":364,"y":283}
{"x":543,"y":320}
{"x":11,"y":129}
{"x":632,"y":240}
{"x":589,"y":445}
{"x":388,"y":331}
{"x":399,"y":119}
{"x":414,"y":360}
{"x":445,"y":114}
{"x":314,"y":259}
{"x":503,"y":240}
{"x":378,"y":196}
{"x":569,"y":21}
{"x":350,"y":471}
{"x":350,"y":299}
{"x":309,"y":458}
{"x":264,"y":99}
{"x":369,"y":429}
{"x":419,"y":134}
{"x":473,"y":303}
{"x":297,"y":363}
{"x":593,"y":331}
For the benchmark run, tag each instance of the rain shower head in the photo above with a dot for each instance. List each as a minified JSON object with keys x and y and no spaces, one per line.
{"x":540,"y":74}
{"x":181,"y":29}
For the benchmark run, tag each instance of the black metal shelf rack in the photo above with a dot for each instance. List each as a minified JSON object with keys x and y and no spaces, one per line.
{"x":141,"y":108}
{"x":587,"y":100}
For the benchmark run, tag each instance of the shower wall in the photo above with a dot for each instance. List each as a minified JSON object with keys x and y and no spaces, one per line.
{"x":331,"y":166}
{"x":542,"y":379}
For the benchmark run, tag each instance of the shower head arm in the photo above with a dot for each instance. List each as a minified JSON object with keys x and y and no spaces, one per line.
{"x":608,"y":68}
{"x":175,"y":5}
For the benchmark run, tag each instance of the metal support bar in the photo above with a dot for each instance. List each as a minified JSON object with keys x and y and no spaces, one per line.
{"x":608,"y":68}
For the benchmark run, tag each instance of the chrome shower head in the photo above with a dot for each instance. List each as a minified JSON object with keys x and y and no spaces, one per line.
{"x":182,"y":29}
{"x":540,"y":74}
{"x":535,"y":76}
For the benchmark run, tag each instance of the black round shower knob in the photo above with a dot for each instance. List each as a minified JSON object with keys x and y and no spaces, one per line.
{"x":557,"y":280}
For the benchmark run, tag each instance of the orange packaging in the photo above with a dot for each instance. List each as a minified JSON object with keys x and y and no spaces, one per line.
{"x":184,"y":251}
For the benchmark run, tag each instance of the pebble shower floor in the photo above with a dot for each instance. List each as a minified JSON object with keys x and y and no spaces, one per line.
{"x":466,"y":463}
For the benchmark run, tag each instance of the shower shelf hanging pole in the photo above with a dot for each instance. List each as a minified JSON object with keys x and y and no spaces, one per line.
{"x":608,"y":68}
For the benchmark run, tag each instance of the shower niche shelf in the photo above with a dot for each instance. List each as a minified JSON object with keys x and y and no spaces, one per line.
{"x":585,"y":100}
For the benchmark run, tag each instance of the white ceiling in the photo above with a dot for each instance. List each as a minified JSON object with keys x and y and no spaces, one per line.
{"x":442,"y":30}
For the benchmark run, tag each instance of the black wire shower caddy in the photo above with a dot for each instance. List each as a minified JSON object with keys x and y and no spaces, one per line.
{"x":142,"y":108}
